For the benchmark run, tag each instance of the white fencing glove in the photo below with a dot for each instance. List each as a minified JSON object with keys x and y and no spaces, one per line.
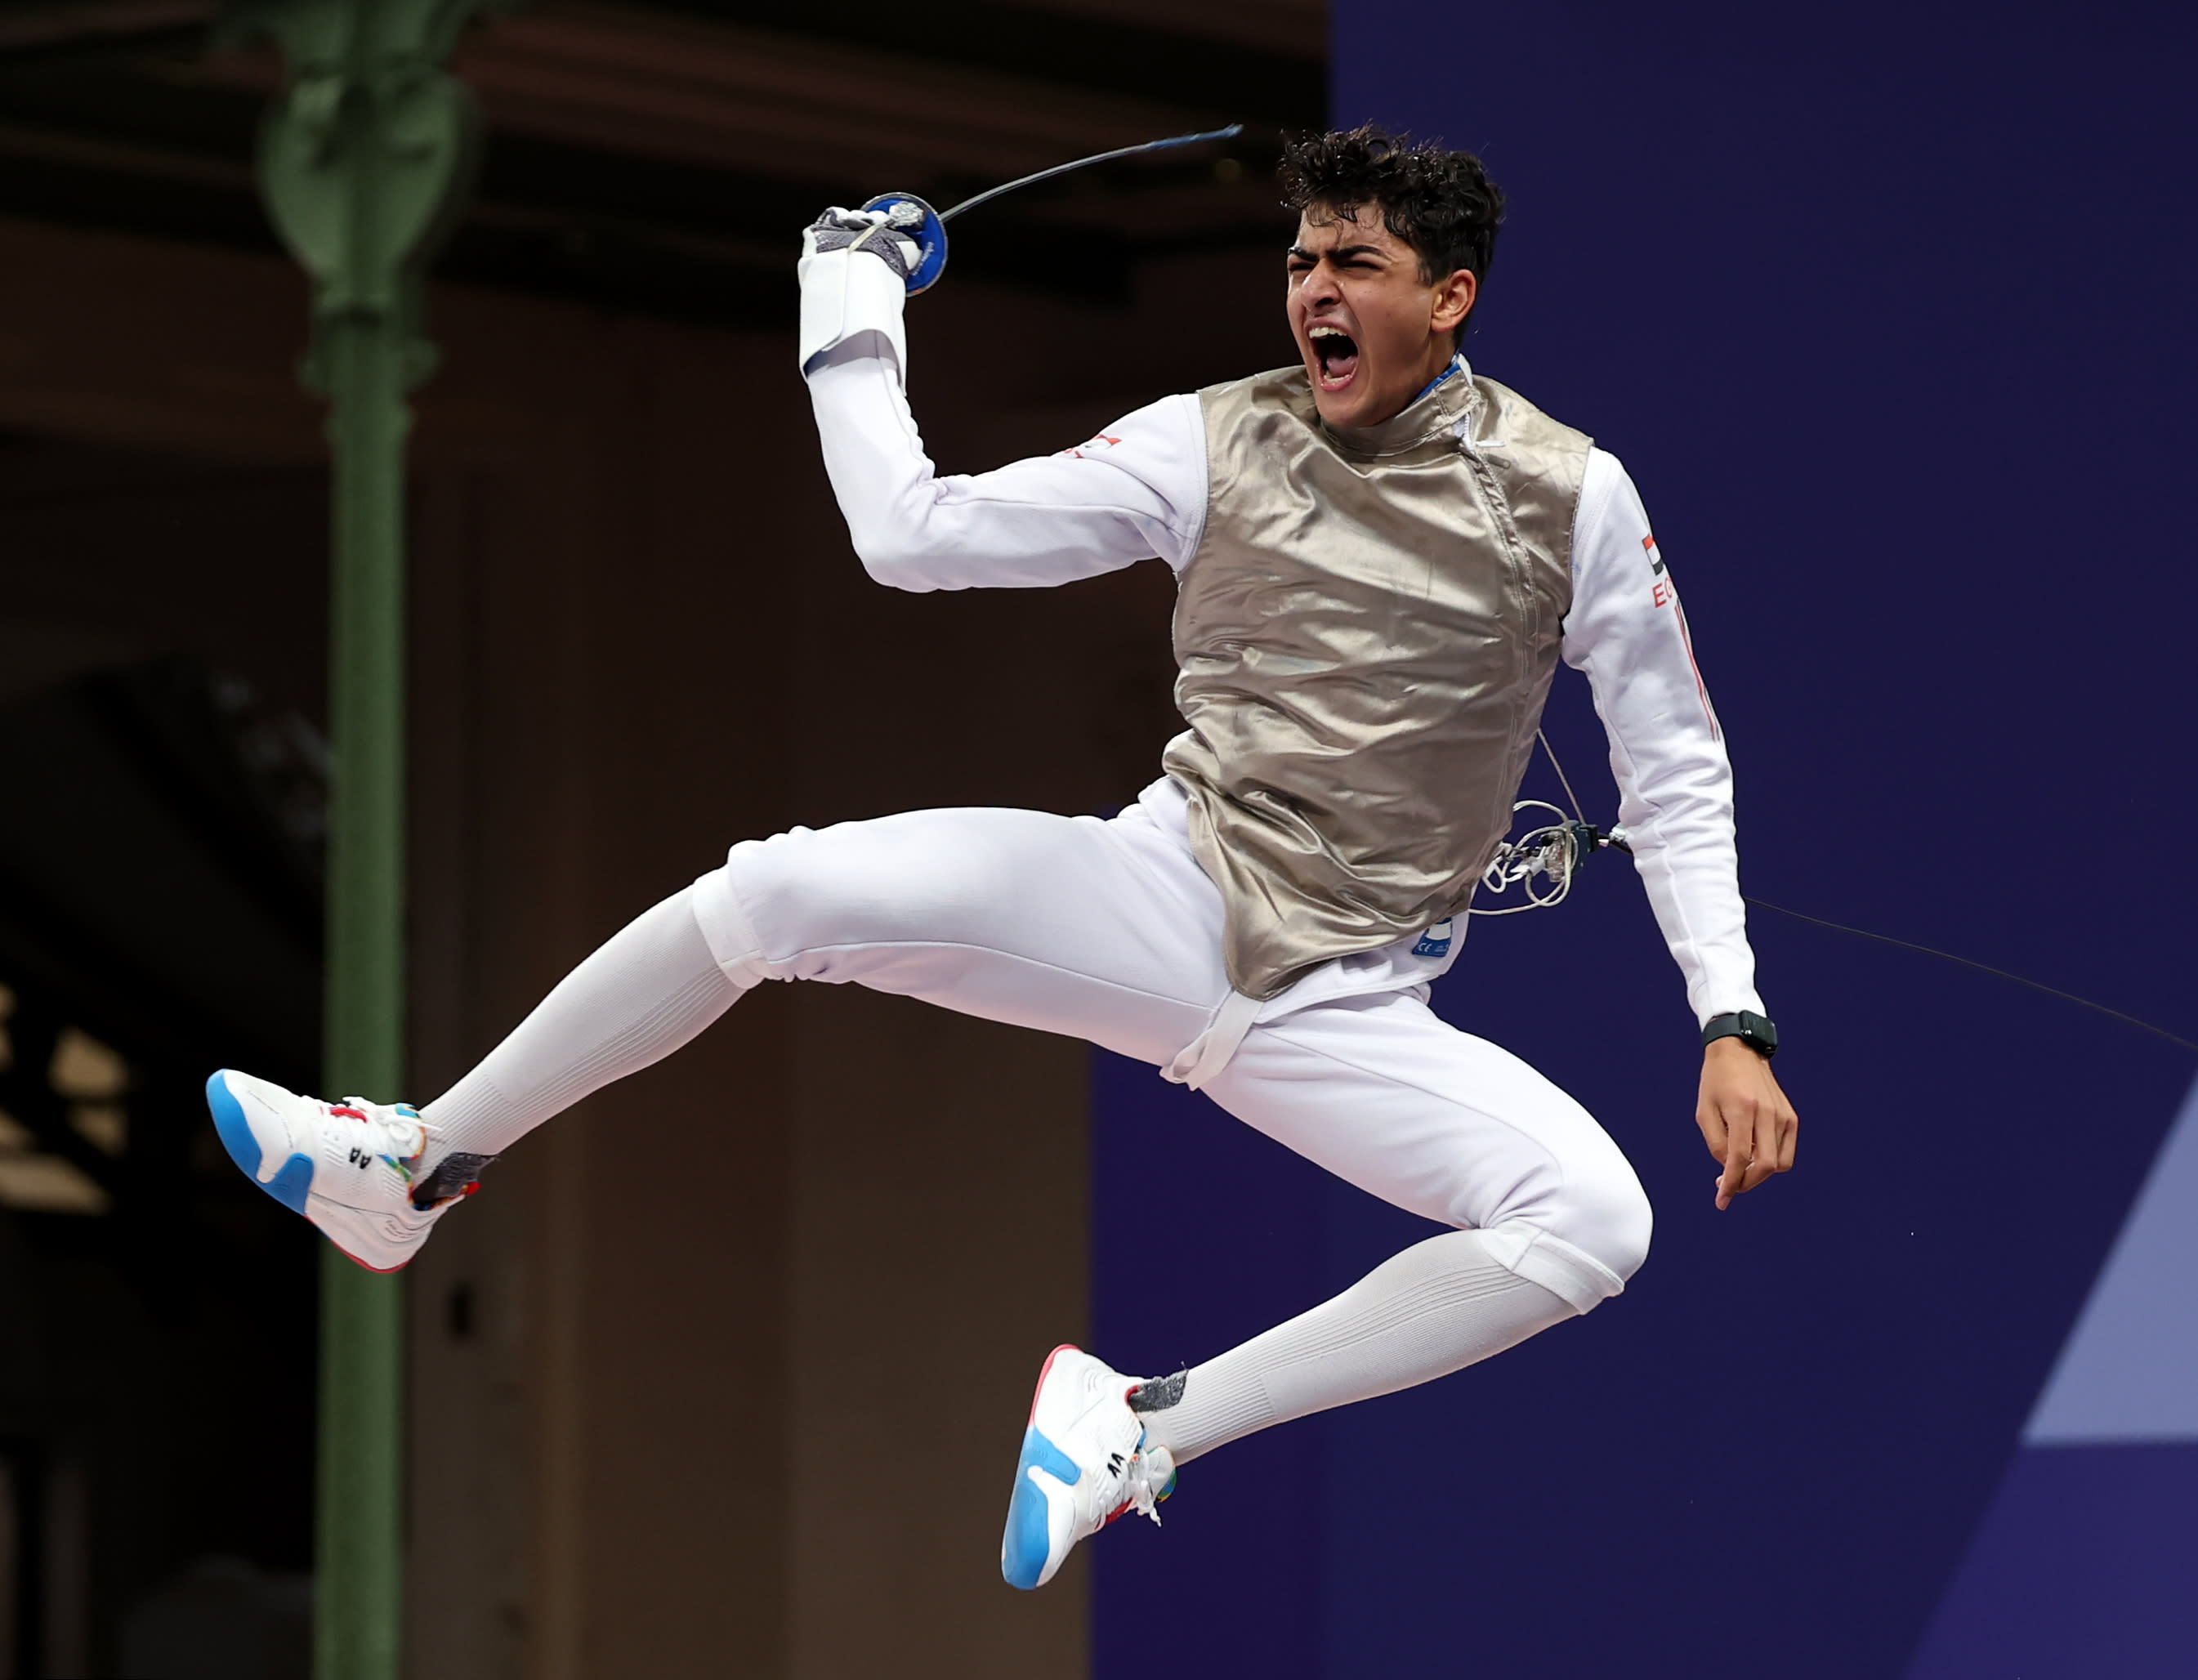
{"x":854,"y":271}
{"x":889,"y":235}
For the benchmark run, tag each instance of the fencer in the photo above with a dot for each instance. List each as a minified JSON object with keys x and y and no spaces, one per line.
{"x":1380,"y":555}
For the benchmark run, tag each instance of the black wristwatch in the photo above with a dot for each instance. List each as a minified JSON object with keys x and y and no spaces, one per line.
{"x":1757,"y":1031}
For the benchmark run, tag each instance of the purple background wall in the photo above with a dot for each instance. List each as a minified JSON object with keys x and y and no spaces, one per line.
{"x":1885,"y":309}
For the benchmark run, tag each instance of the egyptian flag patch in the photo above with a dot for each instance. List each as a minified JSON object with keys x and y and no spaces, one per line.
{"x":1655,"y":559}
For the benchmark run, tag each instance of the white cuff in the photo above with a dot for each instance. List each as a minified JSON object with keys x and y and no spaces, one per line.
{"x":846,"y":292}
{"x":726,"y":928}
{"x":1572,"y":1275}
{"x":1735,"y":1000}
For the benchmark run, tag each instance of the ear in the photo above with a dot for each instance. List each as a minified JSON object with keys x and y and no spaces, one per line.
{"x":1452,"y":300}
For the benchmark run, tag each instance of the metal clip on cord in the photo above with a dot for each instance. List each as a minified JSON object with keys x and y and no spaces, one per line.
{"x":1553,"y":852}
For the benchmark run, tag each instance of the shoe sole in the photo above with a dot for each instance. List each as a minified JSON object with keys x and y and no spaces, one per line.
{"x":1026,"y":1547}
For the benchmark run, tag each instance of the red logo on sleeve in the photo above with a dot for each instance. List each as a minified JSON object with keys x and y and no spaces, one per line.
{"x":1663,"y":594}
{"x":1103,"y":441}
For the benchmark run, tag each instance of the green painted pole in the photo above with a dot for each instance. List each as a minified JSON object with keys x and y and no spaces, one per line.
{"x":359,"y":1488}
{"x":364,"y":162}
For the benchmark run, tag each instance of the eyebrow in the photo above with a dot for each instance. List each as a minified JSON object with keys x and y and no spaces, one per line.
{"x":1339,"y":252}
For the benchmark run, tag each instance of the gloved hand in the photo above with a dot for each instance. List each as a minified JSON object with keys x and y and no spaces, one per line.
{"x":888,"y":234}
{"x":843,"y":291}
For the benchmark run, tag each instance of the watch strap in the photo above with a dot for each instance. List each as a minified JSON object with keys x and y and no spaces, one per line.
{"x":1757,"y":1031}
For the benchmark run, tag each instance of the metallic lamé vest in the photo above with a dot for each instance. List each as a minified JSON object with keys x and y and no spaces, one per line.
{"x":1365,"y":635}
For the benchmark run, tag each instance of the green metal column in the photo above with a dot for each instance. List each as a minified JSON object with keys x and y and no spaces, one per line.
{"x":365,"y":161}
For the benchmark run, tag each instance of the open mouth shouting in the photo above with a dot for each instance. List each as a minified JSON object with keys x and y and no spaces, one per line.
{"x":1335,"y":356}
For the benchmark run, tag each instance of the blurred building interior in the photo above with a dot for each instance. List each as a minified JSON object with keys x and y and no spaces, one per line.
{"x":656,"y":1362}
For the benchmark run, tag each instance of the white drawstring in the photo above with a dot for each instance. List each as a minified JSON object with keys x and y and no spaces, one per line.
{"x":1203,"y":1058}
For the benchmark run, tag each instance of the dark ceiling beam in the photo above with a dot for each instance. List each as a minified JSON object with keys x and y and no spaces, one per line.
{"x":680,"y":241}
{"x":1060,"y":48}
{"x":1043,"y":47}
{"x":159,"y":143}
{"x":101,"y":26}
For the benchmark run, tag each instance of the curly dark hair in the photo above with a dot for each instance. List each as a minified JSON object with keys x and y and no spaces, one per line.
{"x":1439,"y":202}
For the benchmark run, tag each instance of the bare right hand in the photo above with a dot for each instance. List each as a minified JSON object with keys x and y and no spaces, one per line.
{"x":1745,"y":1118}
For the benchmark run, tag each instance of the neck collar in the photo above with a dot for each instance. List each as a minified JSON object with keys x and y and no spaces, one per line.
{"x":1438,"y":407}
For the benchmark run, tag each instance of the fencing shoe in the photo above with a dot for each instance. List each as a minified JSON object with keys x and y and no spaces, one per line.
{"x":1085,"y":1462}
{"x":351,"y":1167}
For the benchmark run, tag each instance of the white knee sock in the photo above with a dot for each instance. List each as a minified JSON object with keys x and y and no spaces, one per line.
{"x":648,"y":991}
{"x":1438,"y":1306}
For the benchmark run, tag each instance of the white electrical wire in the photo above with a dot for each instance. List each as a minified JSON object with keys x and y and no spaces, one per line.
{"x":1557,"y":766}
{"x":1550,"y":851}
{"x":1553,"y":852}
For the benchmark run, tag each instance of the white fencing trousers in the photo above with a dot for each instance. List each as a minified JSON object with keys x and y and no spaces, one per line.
{"x":1108,"y":931}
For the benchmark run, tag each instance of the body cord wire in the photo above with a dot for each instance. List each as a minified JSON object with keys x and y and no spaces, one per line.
{"x":1562,"y":776}
{"x":1904,"y":944}
{"x":1971,"y":963}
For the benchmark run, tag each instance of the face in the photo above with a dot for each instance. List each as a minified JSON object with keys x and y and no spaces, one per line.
{"x":1371,"y":331}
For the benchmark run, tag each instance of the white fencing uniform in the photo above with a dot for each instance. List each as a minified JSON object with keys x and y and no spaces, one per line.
{"x":1108,"y":931}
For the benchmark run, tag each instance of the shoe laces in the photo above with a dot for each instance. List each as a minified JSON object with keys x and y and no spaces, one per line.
{"x":398,"y":1124}
{"x":1139,"y":1491}
{"x":1143,"y":1499}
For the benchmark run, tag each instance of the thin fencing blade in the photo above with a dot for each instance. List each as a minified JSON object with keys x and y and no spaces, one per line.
{"x":1229,"y":132}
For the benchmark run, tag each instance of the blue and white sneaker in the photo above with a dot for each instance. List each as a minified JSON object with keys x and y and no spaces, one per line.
{"x":350,"y":1167}
{"x":1085,"y":1463}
